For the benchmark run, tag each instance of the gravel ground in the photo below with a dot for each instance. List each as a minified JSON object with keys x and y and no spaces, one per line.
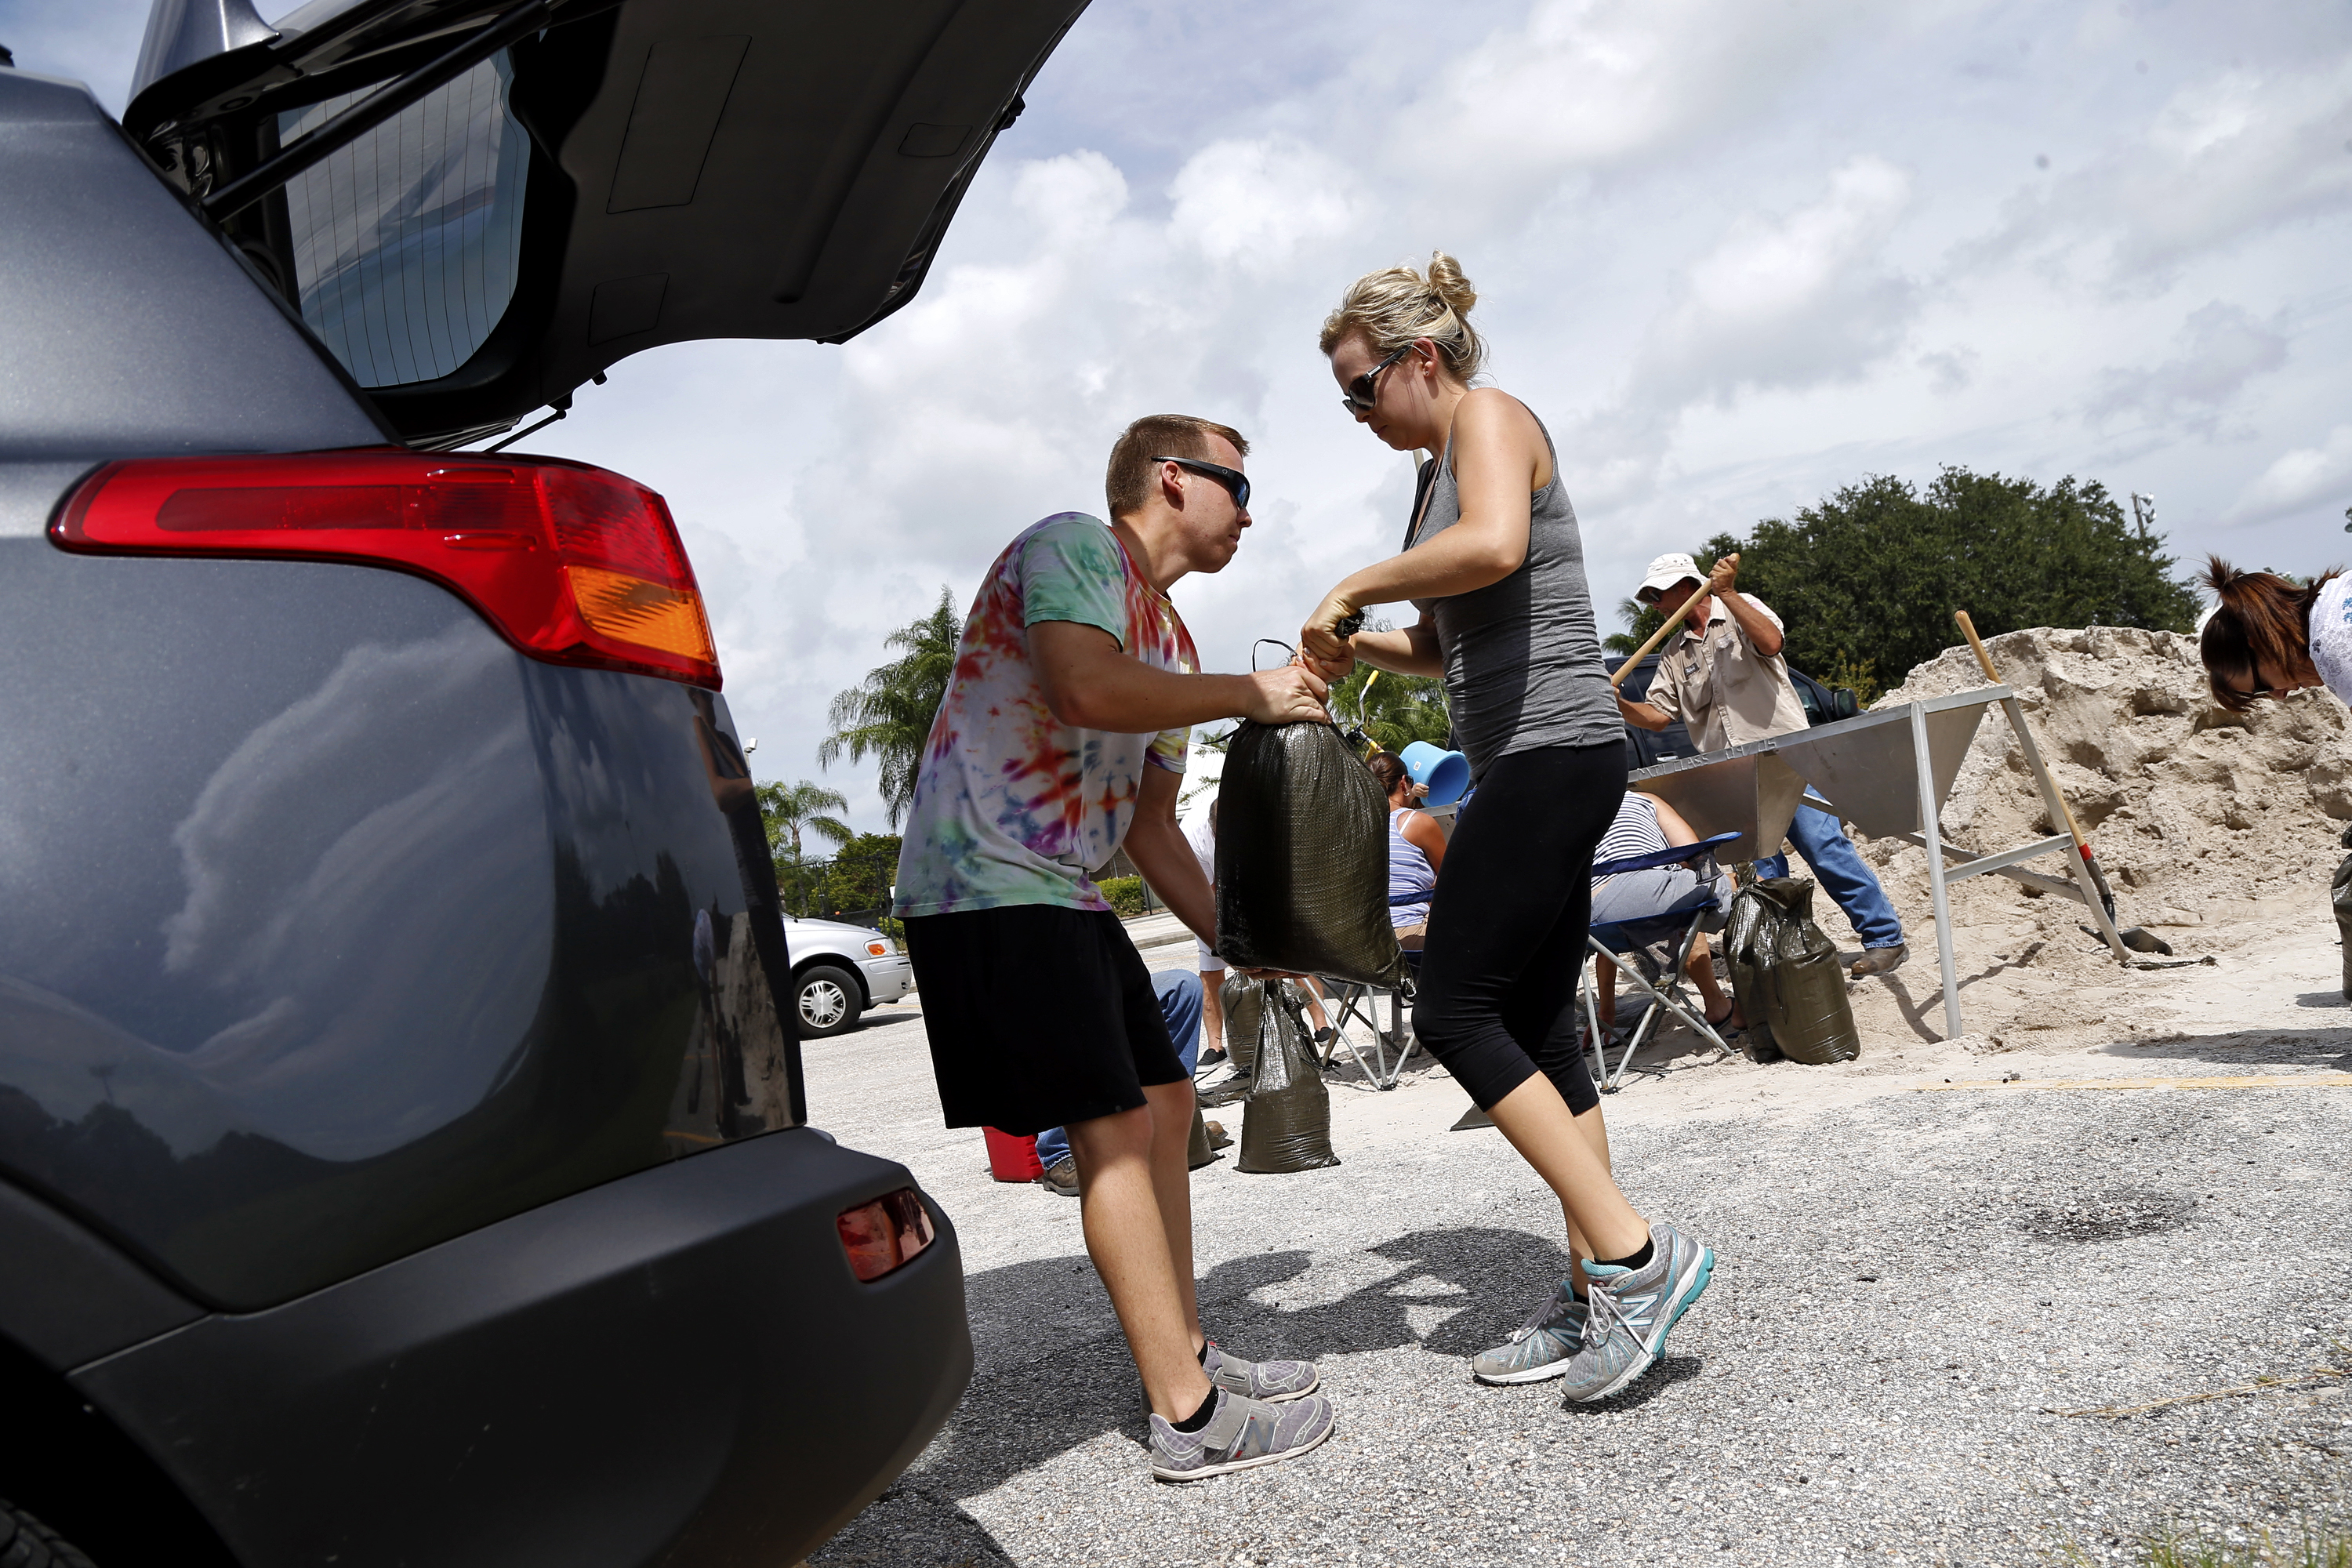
{"x":1909,"y":1285}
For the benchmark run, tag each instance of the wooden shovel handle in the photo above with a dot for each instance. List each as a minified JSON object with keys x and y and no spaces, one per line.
{"x":1660,"y":635}
{"x":1968,"y":628}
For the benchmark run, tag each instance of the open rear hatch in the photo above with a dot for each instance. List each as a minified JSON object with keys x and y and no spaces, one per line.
{"x":478,"y":207}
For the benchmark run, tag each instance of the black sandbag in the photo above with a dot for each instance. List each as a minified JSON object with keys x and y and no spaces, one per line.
{"x":1303,"y":856}
{"x":1239,"y":995}
{"x":2341,"y":895}
{"x":1287,"y":1123}
{"x":1813,"y":1021}
{"x":1199,"y":1153}
{"x":1747,"y":939}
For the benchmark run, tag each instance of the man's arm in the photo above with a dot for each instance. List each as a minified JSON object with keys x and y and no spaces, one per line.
{"x":1091,"y":683}
{"x":1753,"y":623}
{"x":1157,"y":846}
{"x":1644,"y":715}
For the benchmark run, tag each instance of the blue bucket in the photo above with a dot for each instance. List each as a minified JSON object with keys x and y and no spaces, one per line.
{"x":1447,"y":773}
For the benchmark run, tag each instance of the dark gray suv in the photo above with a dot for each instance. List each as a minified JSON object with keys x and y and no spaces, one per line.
{"x":403,"y":1158}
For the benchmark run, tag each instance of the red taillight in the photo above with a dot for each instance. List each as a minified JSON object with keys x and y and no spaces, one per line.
{"x":575,"y":564}
{"x":885,"y":1233}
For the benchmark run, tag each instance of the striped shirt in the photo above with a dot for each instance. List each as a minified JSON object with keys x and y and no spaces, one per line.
{"x":1635,"y":831}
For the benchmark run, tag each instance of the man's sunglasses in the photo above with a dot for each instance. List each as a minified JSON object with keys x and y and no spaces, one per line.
{"x":1365,"y":390}
{"x":1233,"y":480}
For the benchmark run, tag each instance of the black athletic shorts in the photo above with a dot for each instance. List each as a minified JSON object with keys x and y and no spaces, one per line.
{"x":1038,"y":1016}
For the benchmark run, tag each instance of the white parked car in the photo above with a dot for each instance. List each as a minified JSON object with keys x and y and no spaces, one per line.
{"x":839,"y":970}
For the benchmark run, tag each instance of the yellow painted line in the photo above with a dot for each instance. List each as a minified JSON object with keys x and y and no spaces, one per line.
{"x":2264,"y":1081}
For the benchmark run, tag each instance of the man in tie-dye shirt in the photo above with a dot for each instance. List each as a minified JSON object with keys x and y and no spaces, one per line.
{"x":1061,"y":739}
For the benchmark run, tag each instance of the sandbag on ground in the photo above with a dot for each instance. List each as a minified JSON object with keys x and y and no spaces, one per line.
{"x":1785,"y":971}
{"x":1302,"y":857}
{"x":1287,"y":1123}
{"x":1742,"y":939}
{"x":1240,"y":996}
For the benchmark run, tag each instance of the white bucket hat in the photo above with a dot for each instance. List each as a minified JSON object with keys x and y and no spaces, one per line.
{"x":1665,"y":572}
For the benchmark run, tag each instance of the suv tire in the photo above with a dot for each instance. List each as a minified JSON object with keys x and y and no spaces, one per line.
{"x":825,"y":1000}
{"x":27,"y":1543}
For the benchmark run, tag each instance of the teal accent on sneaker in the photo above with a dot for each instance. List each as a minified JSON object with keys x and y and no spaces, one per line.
{"x":1539,"y":1348}
{"x":1632,"y":1311}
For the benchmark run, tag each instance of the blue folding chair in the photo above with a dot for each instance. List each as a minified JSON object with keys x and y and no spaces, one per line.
{"x":1627,"y":943}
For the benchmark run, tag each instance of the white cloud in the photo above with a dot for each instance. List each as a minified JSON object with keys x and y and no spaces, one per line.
{"x":2223,"y":348}
{"x":1790,"y":300}
{"x":2301,"y":478}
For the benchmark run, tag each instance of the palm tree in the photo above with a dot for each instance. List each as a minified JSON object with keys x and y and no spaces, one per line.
{"x":789,"y":810}
{"x":1399,"y":710}
{"x":888,"y":714}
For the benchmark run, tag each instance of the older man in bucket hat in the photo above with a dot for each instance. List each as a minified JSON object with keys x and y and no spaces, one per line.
{"x":1722,"y":674}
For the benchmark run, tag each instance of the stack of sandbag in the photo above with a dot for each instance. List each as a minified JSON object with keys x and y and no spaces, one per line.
{"x":1303,"y":856}
{"x":1287,"y":1123}
{"x":1785,"y":973}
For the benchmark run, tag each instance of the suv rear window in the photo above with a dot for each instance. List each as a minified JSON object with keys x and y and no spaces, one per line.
{"x":406,"y":242}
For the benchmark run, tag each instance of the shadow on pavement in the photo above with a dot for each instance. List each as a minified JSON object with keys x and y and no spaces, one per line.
{"x":907,"y":1525}
{"x":1014,"y":1419}
{"x":2319,"y":1046}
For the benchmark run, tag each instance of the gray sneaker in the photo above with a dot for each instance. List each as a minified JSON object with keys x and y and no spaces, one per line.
{"x":1241,"y":1436}
{"x":1272,"y":1381}
{"x":1538,"y":1348}
{"x":1631,"y":1310}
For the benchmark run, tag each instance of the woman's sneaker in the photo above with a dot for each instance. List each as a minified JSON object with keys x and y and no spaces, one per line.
{"x":1274,"y":1382}
{"x":1242,"y":1435}
{"x":1632,"y":1309}
{"x":1539,"y":1348}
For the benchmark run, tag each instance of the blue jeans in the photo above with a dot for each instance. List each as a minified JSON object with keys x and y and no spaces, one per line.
{"x":1821,"y":840}
{"x":1180,"y":1005}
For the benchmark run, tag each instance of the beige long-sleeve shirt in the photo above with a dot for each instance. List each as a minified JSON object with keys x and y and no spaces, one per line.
{"x":1725,"y":692}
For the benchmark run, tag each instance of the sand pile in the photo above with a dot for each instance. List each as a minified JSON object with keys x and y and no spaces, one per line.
{"x":2185,"y":802}
{"x":2219,"y":831}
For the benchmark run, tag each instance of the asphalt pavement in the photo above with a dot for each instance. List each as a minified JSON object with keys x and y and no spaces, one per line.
{"x":1911,"y":1288}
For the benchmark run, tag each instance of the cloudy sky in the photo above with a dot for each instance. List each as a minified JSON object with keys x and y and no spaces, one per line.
{"x":1736,"y":253}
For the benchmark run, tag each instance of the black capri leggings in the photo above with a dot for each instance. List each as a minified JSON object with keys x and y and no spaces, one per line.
{"x":1507,"y":924}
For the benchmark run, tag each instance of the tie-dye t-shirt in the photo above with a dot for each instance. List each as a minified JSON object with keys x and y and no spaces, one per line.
{"x":1013,"y":806}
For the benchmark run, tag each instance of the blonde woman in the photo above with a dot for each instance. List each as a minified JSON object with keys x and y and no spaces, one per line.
{"x":1493,"y":562}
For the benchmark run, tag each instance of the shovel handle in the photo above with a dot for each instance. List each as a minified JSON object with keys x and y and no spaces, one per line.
{"x":1659,"y":635}
{"x":1968,"y":628}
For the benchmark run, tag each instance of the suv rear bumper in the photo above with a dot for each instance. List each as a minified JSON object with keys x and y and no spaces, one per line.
{"x":676,"y":1366}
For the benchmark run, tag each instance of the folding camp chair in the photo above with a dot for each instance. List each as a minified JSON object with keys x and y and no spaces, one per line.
{"x":1353,"y":999}
{"x":1627,"y":943}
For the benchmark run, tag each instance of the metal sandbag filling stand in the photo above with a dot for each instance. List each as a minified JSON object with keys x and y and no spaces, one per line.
{"x":1888,"y":772}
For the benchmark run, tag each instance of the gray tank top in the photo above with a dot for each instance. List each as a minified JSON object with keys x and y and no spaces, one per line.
{"x":1522,"y":657}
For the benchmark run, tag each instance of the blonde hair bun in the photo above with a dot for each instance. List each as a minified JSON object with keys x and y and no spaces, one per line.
{"x":1396,"y":305}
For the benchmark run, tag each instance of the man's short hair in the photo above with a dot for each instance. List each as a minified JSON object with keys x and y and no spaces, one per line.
{"x":1127,"y":484}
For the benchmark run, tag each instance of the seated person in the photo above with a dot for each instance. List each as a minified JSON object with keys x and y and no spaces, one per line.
{"x":1416,"y":849}
{"x":1644,"y":825}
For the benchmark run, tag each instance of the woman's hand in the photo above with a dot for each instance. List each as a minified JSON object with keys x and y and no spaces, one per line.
{"x":1320,"y":640}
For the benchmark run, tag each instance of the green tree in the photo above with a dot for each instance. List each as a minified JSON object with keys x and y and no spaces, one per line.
{"x":859,"y":878}
{"x":1868,"y":580}
{"x":888,"y":714}
{"x":788,"y":811}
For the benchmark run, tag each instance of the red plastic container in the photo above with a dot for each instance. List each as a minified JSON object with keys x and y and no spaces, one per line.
{"x":1012,"y":1159}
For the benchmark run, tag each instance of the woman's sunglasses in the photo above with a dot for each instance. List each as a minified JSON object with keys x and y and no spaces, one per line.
{"x":1365,"y":389}
{"x":1233,"y":480}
